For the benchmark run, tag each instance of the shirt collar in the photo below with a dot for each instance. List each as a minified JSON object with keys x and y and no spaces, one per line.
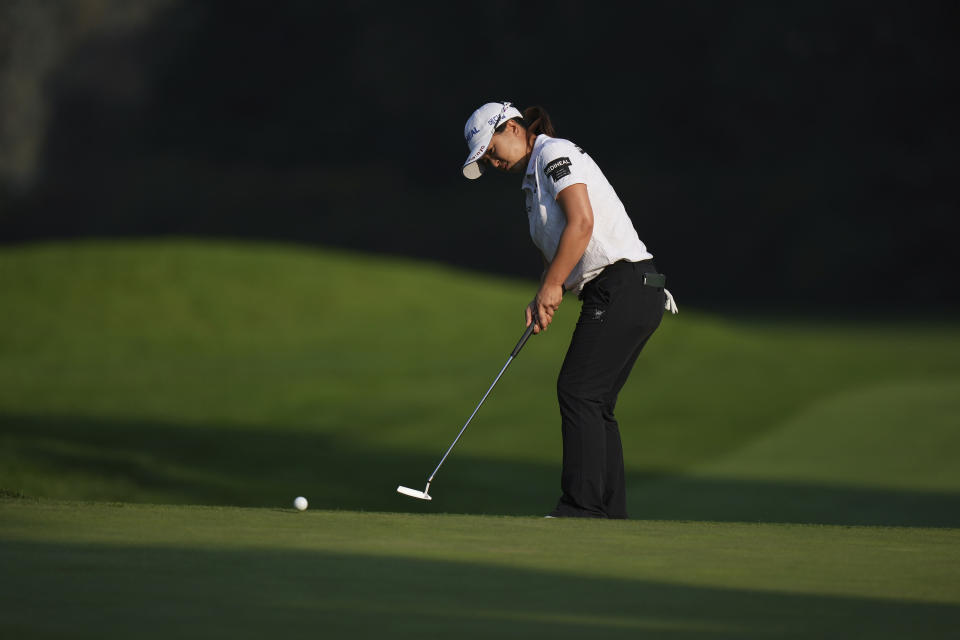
{"x":532,"y":164}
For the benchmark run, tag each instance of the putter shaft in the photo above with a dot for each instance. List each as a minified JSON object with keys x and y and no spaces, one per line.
{"x":513,"y":354}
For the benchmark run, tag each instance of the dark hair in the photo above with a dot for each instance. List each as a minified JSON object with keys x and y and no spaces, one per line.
{"x":536,"y":120}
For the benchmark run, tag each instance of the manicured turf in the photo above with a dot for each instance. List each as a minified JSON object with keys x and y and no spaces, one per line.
{"x":118,"y":571}
{"x":192,"y":372}
{"x":242,"y":375}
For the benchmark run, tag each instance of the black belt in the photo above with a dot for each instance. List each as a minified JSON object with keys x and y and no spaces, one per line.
{"x":650,"y":278}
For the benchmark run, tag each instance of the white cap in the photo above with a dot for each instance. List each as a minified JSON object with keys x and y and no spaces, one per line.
{"x":478,"y":131}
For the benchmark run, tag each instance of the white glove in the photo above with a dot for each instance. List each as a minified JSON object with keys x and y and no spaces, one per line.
{"x":671,"y":304}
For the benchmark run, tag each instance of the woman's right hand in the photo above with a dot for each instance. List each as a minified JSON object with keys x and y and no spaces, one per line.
{"x":543,"y":306}
{"x":532,"y":315}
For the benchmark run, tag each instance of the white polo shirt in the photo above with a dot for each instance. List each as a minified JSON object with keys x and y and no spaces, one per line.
{"x":554,"y":165}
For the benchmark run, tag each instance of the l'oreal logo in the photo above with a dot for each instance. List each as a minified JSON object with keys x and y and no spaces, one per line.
{"x":472,"y":133}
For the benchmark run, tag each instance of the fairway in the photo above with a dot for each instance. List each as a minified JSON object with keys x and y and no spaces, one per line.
{"x":100,"y":570}
{"x":163,"y":402}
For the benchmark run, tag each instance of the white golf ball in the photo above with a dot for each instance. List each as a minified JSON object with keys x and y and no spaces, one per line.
{"x":300,"y":503}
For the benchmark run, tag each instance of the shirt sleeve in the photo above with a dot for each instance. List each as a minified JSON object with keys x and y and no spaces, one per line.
{"x":561,"y":164}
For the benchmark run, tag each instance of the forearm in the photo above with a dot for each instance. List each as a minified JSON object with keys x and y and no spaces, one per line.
{"x":573,"y":242}
{"x":575,"y":202}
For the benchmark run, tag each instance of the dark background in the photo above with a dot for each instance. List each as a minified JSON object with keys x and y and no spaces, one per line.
{"x":798,"y":156}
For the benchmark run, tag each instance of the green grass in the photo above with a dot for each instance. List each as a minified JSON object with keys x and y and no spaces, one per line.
{"x":191,"y":372}
{"x":157,"y":572}
{"x":242,"y":375}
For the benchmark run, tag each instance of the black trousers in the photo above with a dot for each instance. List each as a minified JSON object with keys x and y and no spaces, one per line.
{"x":618,"y":316}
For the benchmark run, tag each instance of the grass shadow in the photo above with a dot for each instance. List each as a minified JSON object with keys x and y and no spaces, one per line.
{"x":107,"y":591}
{"x":149,"y":461}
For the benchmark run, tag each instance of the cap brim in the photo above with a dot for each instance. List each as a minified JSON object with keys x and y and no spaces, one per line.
{"x":472,"y":167}
{"x":473,"y":170}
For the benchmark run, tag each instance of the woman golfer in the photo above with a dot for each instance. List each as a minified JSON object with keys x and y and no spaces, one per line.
{"x":590,"y":247}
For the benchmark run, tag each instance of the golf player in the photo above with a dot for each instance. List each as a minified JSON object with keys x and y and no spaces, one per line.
{"x":590,"y":248}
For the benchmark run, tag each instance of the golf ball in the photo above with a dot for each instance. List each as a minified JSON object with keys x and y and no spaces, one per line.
{"x":300,"y":503}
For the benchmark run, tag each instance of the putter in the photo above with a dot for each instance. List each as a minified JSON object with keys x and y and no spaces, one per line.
{"x":425,"y":494}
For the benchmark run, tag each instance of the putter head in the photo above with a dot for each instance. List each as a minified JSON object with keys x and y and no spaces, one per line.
{"x":413,"y":493}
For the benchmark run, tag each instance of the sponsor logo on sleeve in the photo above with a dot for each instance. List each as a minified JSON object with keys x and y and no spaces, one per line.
{"x":559,"y":168}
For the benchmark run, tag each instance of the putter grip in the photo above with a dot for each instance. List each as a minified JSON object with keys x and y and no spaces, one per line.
{"x":523,"y":341}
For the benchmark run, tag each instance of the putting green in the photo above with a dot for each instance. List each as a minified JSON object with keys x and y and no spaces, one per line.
{"x":184,"y":371}
{"x":178,"y":372}
{"x":100,"y":570}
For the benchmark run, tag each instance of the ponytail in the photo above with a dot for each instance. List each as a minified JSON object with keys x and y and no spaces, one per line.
{"x":535,"y":120}
{"x":538,"y":121}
